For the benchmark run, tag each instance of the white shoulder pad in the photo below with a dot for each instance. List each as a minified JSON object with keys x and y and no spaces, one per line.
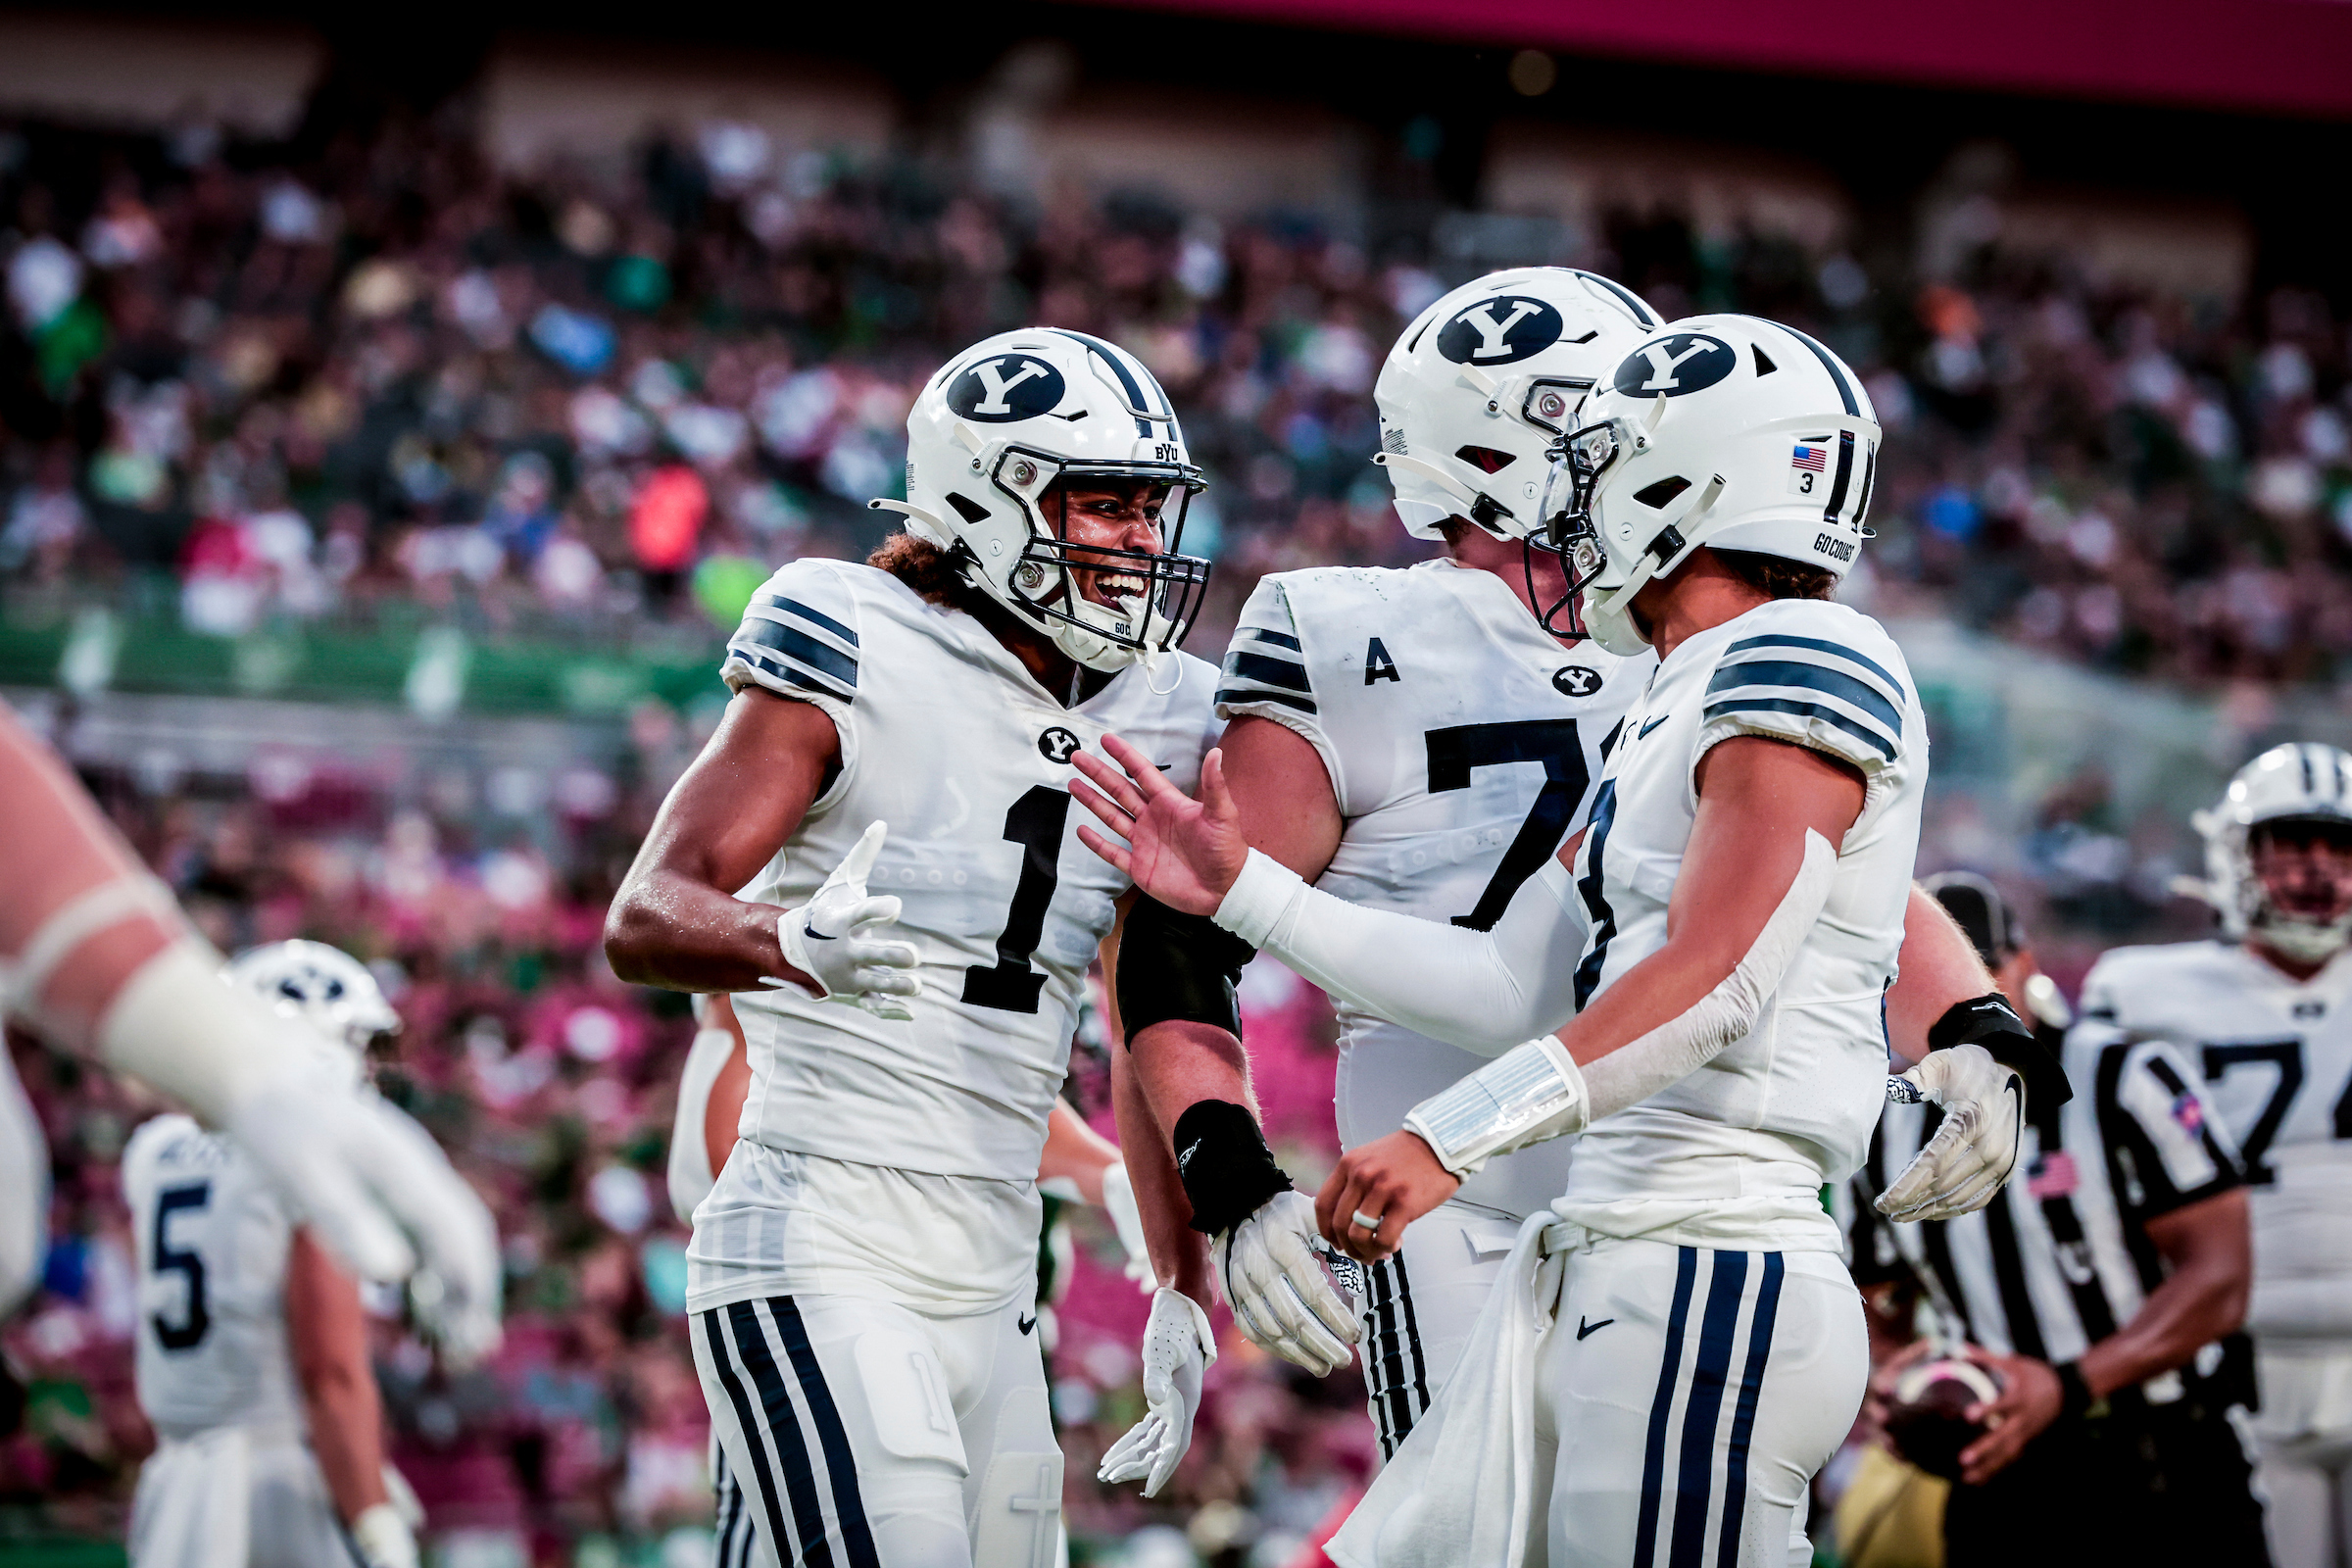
{"x":799,"y":636}
{"x":1816,"y":674}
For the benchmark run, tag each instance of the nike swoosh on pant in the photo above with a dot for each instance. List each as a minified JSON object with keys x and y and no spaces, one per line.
{"x":1584,"y":1328}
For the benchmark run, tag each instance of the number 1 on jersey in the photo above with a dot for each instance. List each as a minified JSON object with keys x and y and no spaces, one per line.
{"x":1034,"y":823}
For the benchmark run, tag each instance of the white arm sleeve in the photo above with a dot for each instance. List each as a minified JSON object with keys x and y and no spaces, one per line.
{"x":1483,"y":991}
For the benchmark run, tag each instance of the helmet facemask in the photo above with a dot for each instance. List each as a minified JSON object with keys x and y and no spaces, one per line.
{"x":2306,"y":935}
{"x":1046,"y":581}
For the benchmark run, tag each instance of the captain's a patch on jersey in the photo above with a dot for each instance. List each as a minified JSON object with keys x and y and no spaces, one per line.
{"x":1807,"y":464}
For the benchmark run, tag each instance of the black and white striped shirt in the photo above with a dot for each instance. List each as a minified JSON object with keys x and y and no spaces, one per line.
{"x":2061,"y":1259}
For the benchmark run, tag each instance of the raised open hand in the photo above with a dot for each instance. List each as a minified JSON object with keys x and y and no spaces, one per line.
{"x":1184,"y":853}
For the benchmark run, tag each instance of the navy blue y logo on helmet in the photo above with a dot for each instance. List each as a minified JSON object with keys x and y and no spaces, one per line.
{"x":1503,"y":330}
{"x":1004,"y":388}
{"x":1685,"y":362}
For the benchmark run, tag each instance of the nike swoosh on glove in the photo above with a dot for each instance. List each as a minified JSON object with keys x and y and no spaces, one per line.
{"x":830,"y":938}
{"x":1976,"y":1149}
{"x":1273,"y":1280}
{"x":1178,"y":1348}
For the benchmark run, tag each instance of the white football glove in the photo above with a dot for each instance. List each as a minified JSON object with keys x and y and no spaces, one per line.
{"x":381,"y":1539}
{"x":830,"y":939}
{"x":1118,"y":1201}
{"x":1178,"y":1348}
{"x":1976,"y":1149}
{"x":1281,"y":1298}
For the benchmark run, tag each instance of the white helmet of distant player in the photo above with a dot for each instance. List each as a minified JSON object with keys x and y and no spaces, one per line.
{"x":2297,"y":783}
{"x":993,"y":432}
{"x":326,"y":988}
{"x":1484,"y":383}
{"x":1723,"y":430}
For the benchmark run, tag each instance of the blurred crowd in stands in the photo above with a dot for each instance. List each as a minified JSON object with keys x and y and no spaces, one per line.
{"x":381,"y":368}
{"x":554,"y":1085}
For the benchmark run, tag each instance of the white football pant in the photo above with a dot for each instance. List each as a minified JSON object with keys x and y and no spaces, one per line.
{"x":235,"y":1495}
{"x":2303,"y":1437}
{"x":1687,"y":1397}
{"x":867,"y":1435}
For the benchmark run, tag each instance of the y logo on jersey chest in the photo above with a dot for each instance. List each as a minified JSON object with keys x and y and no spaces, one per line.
{"x":1058,"y":745}
{"x":1576,"y":680}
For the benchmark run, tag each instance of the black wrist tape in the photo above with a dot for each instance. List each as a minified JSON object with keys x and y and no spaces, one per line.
{"x":1222,"y":1159}
{"x":1178,"y":966}
{"x":1991,"y":1022}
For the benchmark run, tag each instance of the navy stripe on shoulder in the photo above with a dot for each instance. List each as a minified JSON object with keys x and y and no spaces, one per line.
{"x":799,"y":647}
{"x":1277,"y":638}
{"x":1813,"y":677}
{"x":791,"y":673}
{"x":1227,"y":697}
{"x":1267,"y":671}
{"x":1783,"y":704}
{"x":1819,"y":645}
{"x":815,"y":617}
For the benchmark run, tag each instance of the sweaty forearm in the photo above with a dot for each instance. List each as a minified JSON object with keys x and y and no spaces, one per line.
{"x":668,"y":929}
{"x":1178,"y":1254}
{"x":1483,"y":991}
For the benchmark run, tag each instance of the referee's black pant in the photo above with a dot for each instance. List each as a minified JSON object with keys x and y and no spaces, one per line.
{"x":2151,"y":1487}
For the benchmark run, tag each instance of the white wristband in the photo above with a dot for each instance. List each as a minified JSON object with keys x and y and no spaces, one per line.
{"x":1260,"y":897}
{"x":1526,"y":1094}
{"x":181,"y":1029}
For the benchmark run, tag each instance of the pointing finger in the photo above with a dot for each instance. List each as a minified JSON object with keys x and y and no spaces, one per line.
{"x":862,"y":856}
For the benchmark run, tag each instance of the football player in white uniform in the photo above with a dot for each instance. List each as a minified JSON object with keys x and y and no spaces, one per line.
{"x":253,"y":1362}
{"x":2266,"y":1015}
{"x":1079,"y":1166}
{"x":1745,"y":876}
{"x":96,"y":959}
{"x":1422,"y":742}
{"x":862,"y":1275}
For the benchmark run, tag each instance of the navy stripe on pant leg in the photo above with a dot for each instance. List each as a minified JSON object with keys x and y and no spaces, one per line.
{"x":1744,"y":1412}
{"x":1419,"y":1401}
{"x":1395,"y":1410}
{"x":749,"y":1426}
{"x":815,"y":1548}
{"x":840,"y":1463}
{"x":1694,"y":1486}
{"x":1661,"y":1407}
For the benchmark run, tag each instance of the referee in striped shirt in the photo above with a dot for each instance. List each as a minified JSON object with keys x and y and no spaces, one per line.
{"x":2106,"y":1288}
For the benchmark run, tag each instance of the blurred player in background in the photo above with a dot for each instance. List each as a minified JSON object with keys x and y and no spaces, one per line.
{"x":1425,"y":743}
{"x":2104,"y":1290}
{"x":96,"y":959}
{"x":1079,"y":1166}
{"x":2265,"y":1016}
{"x":252,"y":1356}
{"x":863,"y":1274}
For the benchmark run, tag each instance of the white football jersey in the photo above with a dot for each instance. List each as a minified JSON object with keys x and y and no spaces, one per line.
{"x":1738,"y":1153}
{"x":946,"y":737}
{"x":211,"y":1240}
{"x":2277,"y":1057}
{"x":1464,"y":746}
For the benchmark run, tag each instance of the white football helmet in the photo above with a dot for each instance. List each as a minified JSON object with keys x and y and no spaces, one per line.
{"x":2297,"y":782}
{"x":1723,"y":430}
{"x":1484,"y":383}
{"x":326,"y":988}
{"x":996,"y":428}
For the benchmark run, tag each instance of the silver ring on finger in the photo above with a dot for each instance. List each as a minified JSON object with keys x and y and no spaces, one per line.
{"x":1369,"y":1223}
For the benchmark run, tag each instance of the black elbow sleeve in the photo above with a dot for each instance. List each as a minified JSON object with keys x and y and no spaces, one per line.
{"x":1178,"y":966}
{"x":1991,"y":1022}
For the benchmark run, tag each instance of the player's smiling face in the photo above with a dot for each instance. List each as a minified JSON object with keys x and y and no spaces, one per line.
{"x":1112,"y":515}
{"x":2305,"y":868}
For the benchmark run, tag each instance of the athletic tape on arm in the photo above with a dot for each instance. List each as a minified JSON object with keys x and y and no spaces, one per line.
{"x":26,"y":976}
{"x":1537,"y":1091}
{"x":1484,"y":991}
